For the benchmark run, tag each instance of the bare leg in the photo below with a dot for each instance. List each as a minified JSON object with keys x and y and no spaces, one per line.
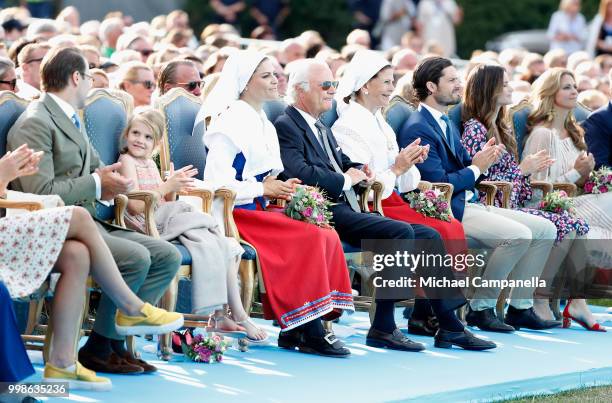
{"x":579,"y":309}
{"x":103,"y":267}
{"x":68,"y":301}
{"x":235,"y":304}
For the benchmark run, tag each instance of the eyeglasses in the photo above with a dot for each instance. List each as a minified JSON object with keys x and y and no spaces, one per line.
{"x":146,"y":52}
{"x":33,"y":60}
{"x":191,"y":85}
{"x":326,"y":85}
{"x":148,"y":84}
{"x":12,"y":83}
{"x":87,"y":75}
{"x":92,"y":66}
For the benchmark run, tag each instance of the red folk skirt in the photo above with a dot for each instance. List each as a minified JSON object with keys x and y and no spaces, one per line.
{"x":451,"y":232}
{"x":303,"y":267}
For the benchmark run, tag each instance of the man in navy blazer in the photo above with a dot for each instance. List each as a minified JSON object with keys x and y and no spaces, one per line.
{"x":598,"y":133}
{"x":310,"y":153}
{"x":521,"y":242}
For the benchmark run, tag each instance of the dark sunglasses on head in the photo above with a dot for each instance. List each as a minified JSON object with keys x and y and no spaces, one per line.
{"x":191,"y":85}
{"x":33,"y":60}
{"x":326,"y":85}
{"x":12,"y":83}
{"x":148,"y":84}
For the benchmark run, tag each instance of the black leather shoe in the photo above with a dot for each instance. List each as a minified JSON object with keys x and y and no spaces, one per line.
{"x":328,"y":346}
{"x":487,"y":320}
{"x":423,"y":327}
{"x":392,"y":341}
{"x":289,"y":340}
{"x":465,"y":339}
{"x":528,"y":319}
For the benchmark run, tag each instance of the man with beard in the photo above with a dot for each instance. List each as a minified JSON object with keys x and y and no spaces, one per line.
{"x":519,"y":250}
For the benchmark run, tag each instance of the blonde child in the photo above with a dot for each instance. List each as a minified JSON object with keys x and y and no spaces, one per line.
{"x":140,"y":140}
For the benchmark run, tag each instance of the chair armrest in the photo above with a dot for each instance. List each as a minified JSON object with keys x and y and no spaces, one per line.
{"x":121,"y":202}
{"x":446,"y":188}
{"x":490,"y":189}
{"x":150,"y":199}
{"x":424,"y":185}
{"x":570,"y":188}
{"x":22,"y":205}
{"x":363,"y":199}
{"x":377,"y":187}
{"x":545,"y":187}
{"x":506,"y":190}
{"x":229,"y":197}
{"x":204,"y":194}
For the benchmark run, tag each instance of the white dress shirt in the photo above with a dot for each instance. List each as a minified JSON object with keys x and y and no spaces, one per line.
{"x":367,"y":138}
{"x":561,"y":22}
{"x":348,"y":183}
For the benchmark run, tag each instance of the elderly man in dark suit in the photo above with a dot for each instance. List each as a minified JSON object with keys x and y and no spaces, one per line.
{"x":310,"y":153}
{"x":598,"y":133}
{"x":70,"y":167}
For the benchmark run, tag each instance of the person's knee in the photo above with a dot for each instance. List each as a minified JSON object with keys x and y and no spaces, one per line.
{"x":546,"y":230}
{"x":74,"y":259}
{"x":166,"y":255}
{"x":138,"y":260}
{"x":402,"y":230}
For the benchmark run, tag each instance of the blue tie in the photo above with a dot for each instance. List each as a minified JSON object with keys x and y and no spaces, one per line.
{"x":449,"y":136}
{"x":76,"y":121}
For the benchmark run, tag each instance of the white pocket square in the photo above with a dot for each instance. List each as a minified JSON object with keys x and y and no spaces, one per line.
{"x":337,"y":148}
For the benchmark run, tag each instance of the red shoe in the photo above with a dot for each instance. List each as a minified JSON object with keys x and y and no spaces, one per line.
{"x":567,"y":320}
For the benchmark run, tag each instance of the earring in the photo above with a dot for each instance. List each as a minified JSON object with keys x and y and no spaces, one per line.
{"x":551,"y":115}
{"x":246,"y":88}
{"x":365,"y":92}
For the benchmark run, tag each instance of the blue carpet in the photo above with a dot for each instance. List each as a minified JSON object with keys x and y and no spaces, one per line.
{"x":525,"y":363}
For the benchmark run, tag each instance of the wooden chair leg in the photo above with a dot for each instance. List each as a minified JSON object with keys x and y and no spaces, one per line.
{"x":247,"y":283}
{"x":372,"y":309}
{"x":167,"y":302}
{"x":501,"y":303}
{"x":34,"y":312}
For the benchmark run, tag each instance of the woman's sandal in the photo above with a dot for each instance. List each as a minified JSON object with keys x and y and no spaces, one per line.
{"x":247,"y":322}
{"x":231,"y":333}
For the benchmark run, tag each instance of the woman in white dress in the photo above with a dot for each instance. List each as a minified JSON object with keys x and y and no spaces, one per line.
{"x":65,"y":240}
{"x":553,"y":128}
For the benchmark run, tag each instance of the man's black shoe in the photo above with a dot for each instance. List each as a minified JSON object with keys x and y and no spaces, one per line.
{"x":289,"y":339}
{"x":392,"y":341}
{"x":328,"y":346}
{"x":528,"y":319}
{"x":464,"y":339}
{"x":423,"y":327}
{"x":487,"y":320}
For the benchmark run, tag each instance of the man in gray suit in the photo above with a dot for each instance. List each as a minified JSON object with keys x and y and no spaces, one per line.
{"x":71,"y":168}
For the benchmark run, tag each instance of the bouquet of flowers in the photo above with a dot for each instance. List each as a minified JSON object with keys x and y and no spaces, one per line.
{"x":430,"y":203}
{"x":600,"y":181}
{"x":310,"y":205}
{"x":205,"y":349}
{"x":557,"y":202}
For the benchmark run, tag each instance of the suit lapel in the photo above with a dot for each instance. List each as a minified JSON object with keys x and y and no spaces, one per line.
{"x":64,"y":123}
{"x":308,"y":134}
{"x":434,"y":124}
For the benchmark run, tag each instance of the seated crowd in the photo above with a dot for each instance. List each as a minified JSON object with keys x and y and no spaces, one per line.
{"x":261,"y":158}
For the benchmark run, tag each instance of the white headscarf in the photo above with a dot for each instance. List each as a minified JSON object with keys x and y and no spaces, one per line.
{"x":363,"y":66}
{"x":237,"y":71}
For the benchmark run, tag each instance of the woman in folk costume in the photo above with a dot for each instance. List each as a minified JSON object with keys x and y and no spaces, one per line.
{"x":365,"y":136}
{"x":303,"y":266}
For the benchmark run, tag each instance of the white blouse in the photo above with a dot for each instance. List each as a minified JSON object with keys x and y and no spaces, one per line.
{"x":241,"y":129}
{"x":368,"y":139}
{"x":562,"y":150}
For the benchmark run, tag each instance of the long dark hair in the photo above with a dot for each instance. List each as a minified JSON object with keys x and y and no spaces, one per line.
{"x":484,"y":85}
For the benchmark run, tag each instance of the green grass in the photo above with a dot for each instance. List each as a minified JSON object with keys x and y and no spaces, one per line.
{"x":590,"y":395}
{"x":600,"y":302}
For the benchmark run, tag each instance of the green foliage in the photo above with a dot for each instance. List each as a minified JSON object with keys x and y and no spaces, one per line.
{"x":483,"y":19}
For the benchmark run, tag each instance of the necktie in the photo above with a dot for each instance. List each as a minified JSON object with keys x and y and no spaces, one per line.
{"x":449,"y":136}
{"x":76,"y":121}
{"x":350,"y":195}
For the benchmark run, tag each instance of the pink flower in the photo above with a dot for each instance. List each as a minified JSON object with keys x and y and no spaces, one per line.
{"x":588,"y":187}
{"x":219,"y":358}
{"x":320,"y":218}
{"x":430,"y":194}
{"x":442,"y":206}
{"x":603,"y":188}
{"x":562,"y":193}
{"x":307,"y":212}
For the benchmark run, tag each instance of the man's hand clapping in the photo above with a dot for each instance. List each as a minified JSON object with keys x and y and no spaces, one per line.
{"x":112,"y":182}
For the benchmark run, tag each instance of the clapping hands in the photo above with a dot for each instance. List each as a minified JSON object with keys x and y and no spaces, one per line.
{"x":414,"y":153}
{"x":536,"y":162}
{"x":23,"y":161}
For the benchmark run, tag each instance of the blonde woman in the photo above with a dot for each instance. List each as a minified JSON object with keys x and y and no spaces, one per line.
{"x":137,"y":79}
{"x":553,"y":128}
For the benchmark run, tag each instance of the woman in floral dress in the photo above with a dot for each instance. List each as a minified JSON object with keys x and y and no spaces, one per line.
{"x":487,"y":95}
